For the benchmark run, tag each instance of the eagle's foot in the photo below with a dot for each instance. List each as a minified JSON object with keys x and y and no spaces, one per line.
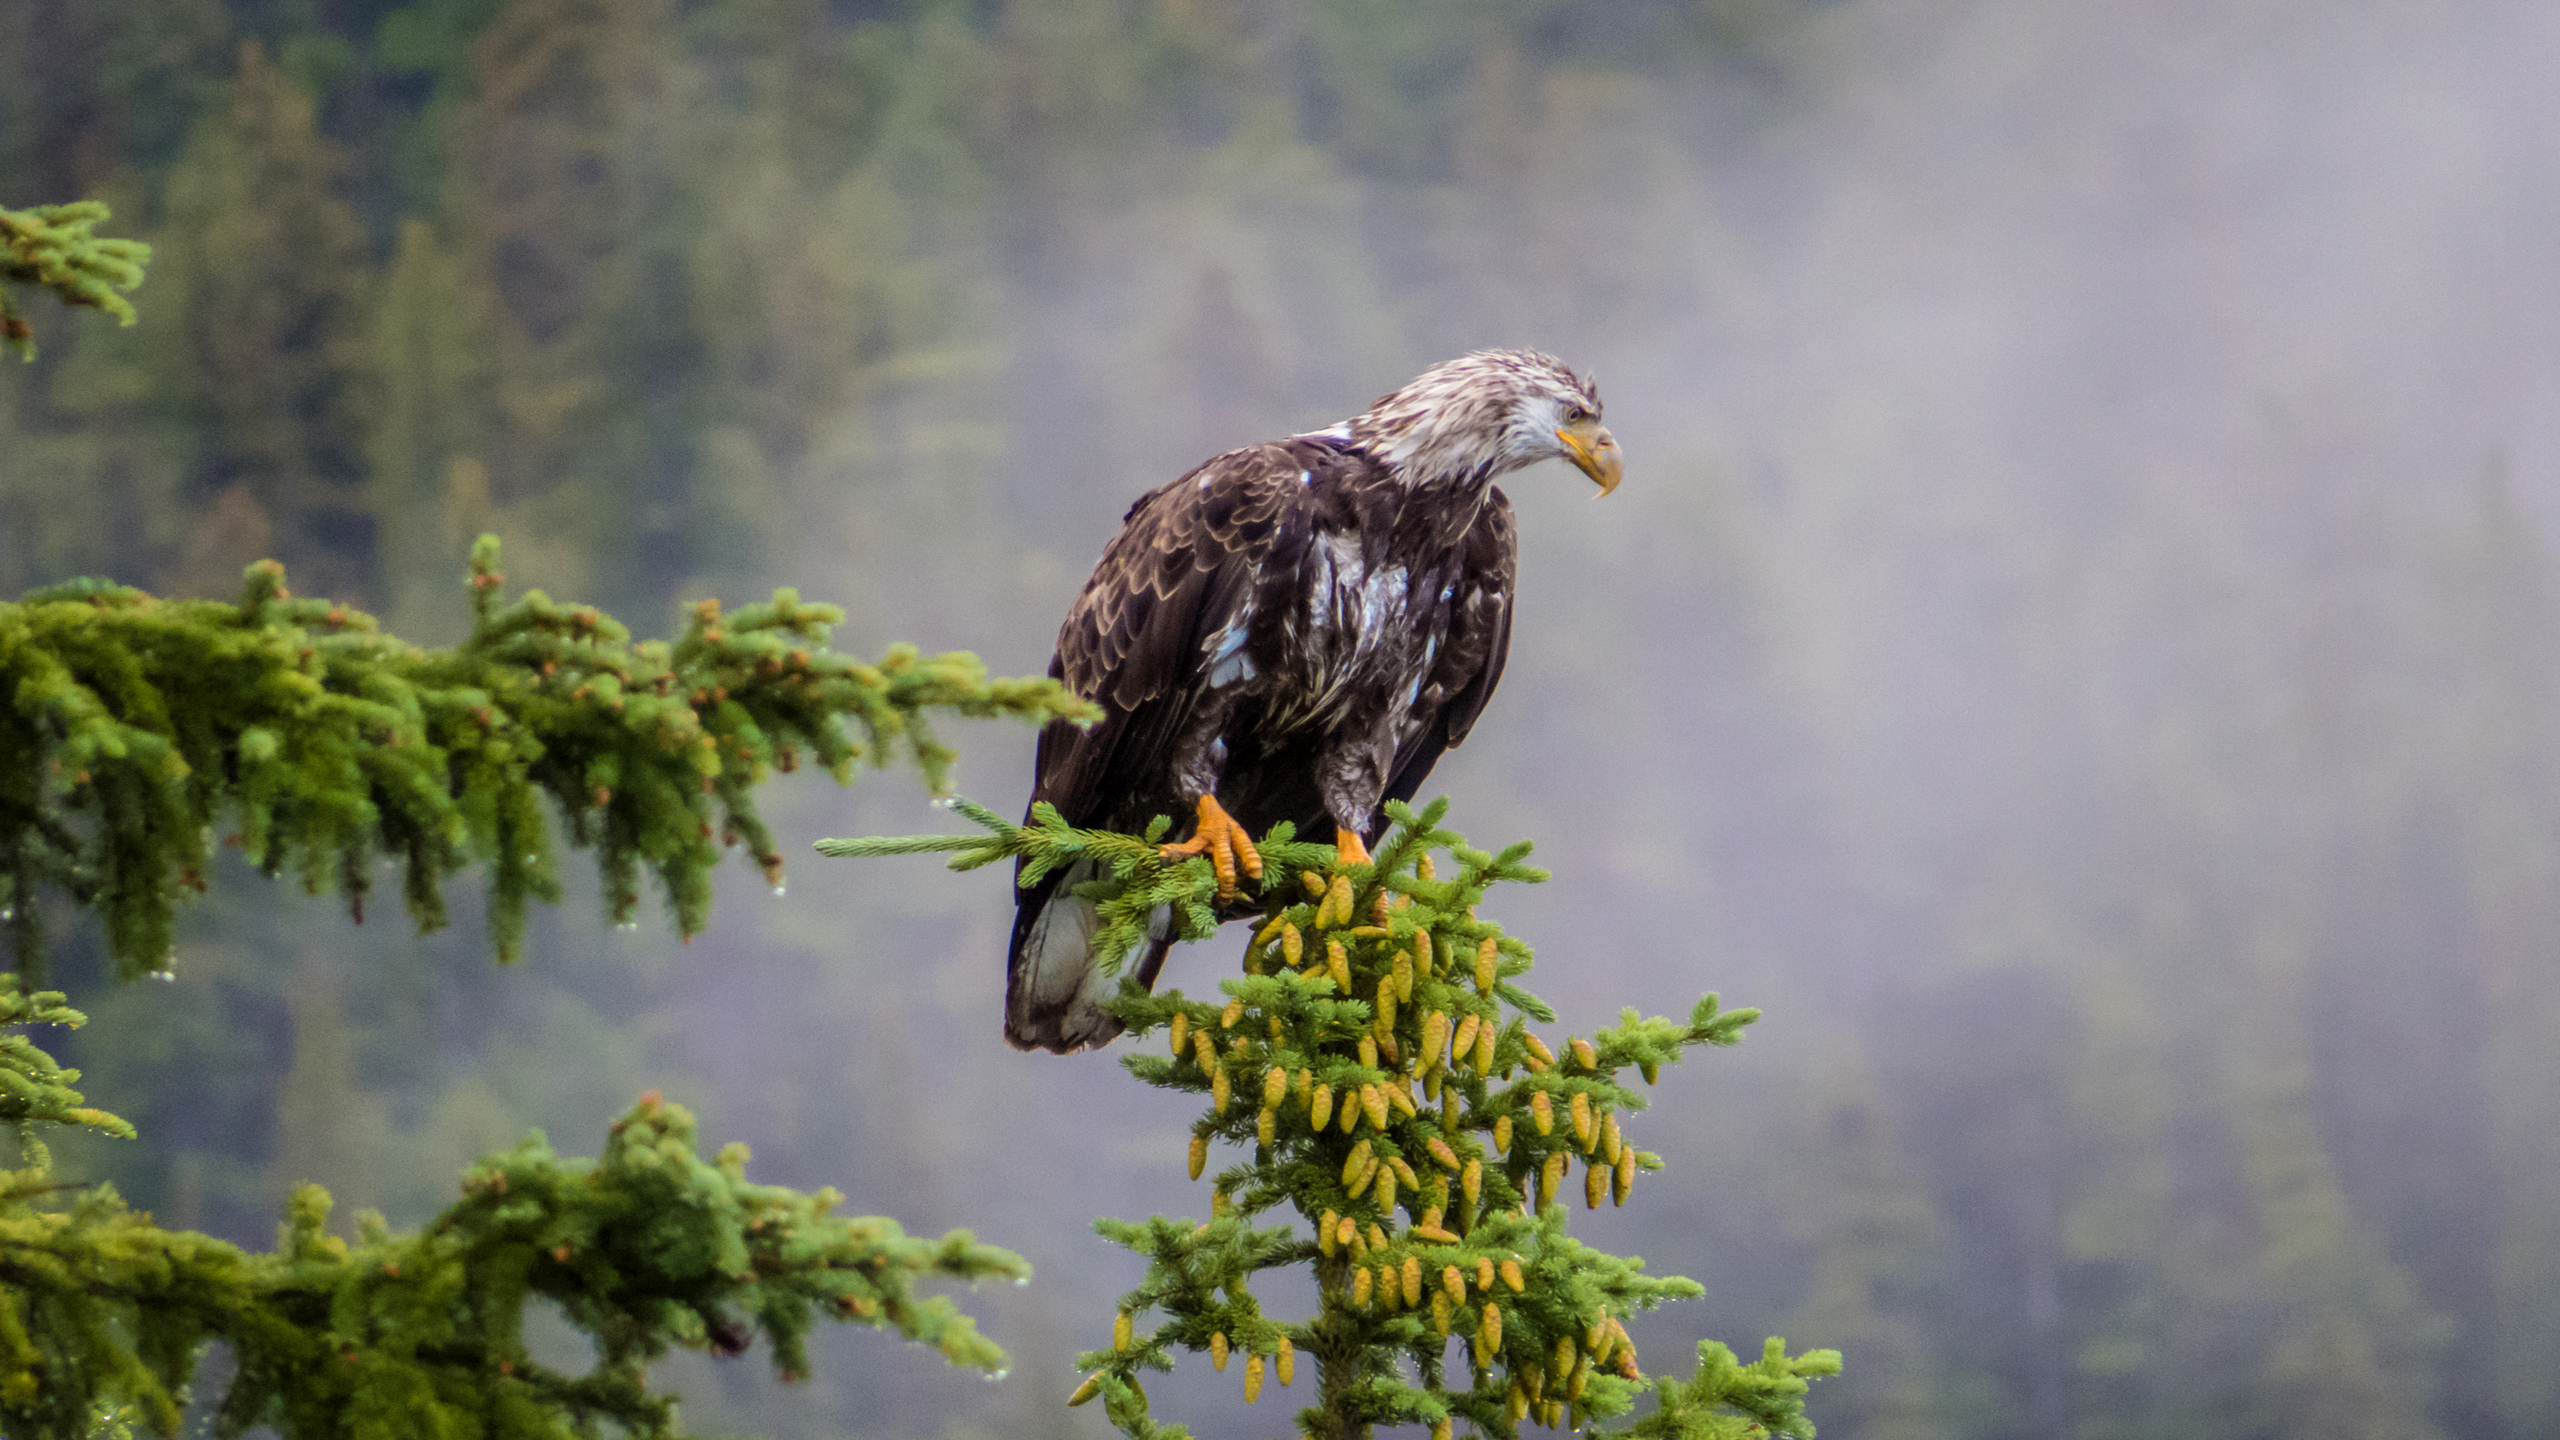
{"x":1349,"y":849}
{"x":1226,"y":844}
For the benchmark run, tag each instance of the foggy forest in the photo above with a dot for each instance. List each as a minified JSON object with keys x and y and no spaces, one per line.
{"x":2075,"y":644}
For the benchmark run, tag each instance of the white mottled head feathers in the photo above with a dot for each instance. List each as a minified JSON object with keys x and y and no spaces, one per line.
{"x":1468,"y":420}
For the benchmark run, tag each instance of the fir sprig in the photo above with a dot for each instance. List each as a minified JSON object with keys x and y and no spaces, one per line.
{"x":1375,"y":1061}
{"x":1724,"y":1399}
{"x":51,"y":246}
{"x":34,"y":1089}
{"x":646,"y":1249}
{"x":1136,"y":880}
{"x":133,"y":727}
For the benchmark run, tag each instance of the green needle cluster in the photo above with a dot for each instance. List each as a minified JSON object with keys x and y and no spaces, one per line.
{"x":50,"y":246}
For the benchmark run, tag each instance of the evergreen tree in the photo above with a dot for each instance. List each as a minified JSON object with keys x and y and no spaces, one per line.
{"x":431,"y":342}
{"x":1863,"y":1216}
{"x":269,"y":296}
{"x":90,"y":92}
{"x":843,"y":293}
{"x":566,"y":206}
{"x":1377,"y":1058}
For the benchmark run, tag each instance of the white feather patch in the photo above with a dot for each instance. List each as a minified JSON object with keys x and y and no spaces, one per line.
{"x":1058,"y":989}
{"x":1227,"y":661}
{"x":1234,"y":666}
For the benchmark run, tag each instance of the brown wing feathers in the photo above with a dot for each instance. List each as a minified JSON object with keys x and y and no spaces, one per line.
{"x":1193,"y":560}
{"x":1132,"y":644}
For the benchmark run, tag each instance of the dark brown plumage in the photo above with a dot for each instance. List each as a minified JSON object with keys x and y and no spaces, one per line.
{"x":1295,"y":631}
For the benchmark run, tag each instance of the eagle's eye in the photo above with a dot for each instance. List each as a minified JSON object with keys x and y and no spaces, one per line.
{"x":1576,"y":414}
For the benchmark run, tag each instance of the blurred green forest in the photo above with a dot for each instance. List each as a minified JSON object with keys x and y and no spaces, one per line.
{"x":2074,"y":646}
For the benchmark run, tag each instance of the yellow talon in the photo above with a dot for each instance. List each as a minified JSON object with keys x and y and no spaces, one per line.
{"x":1349,"y":848}
{"x":1226,"y":844}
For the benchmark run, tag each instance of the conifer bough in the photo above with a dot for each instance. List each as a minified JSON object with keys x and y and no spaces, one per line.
{"x":1376,"y":1063}
{"x":104,"y":1316}
{"x":51,"y":246}
{"x":35,"y":1089}
{"x":132,"y":728}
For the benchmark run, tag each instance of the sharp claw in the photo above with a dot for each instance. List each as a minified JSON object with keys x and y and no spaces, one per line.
{"x":1222,"y":861}
{"x":1348,"y":848}
{"x":1224,"y":842}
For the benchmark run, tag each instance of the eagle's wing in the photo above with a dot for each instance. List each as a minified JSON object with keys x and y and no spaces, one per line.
{"x":1172,"y":587}
{"x":1470,"y":664}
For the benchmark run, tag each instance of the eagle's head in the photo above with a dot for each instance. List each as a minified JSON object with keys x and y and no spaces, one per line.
{"x":1467,"y":420}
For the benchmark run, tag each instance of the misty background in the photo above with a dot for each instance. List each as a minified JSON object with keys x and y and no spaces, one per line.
{"x":2075,"y":644}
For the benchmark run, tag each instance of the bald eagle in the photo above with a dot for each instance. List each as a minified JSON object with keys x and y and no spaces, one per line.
{"x":1293,"y":631}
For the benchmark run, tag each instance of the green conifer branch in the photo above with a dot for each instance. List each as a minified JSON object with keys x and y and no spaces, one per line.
{"x":646,"y":1249}
{"x":133,"y":726}
{"x":1138,"y":879}
{"x":1728,"y":1400}
{"x":51,"y":246}
{"x":1376,"y":1063}
{"x":34,"y":1089}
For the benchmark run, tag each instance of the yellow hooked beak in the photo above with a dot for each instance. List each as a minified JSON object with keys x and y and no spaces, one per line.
{"x":1595,"y":452}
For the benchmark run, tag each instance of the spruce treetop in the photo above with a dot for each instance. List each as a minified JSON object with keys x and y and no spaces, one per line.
{"x":1413,"y":1134}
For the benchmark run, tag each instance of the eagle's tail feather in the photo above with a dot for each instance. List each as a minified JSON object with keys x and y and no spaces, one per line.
{"x":1054,"y":985}
{"x":1053,"y":988}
